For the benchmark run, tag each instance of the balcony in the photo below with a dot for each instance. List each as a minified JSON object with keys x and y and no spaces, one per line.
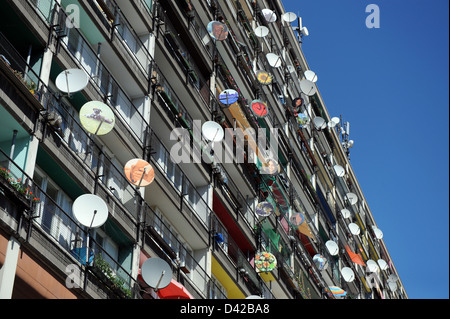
{"x":52,"y":232}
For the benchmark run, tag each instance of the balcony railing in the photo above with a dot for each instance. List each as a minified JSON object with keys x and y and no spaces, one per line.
{"x":59,"y":225}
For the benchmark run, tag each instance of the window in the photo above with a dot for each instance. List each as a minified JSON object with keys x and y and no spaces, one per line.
{"x":107,"y":249}
{"x":55,"y":211}
{"x":217,"y":291}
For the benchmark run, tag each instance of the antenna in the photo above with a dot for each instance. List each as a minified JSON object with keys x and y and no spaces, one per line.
{"x":344,"y":131}
{"x":301,"y":30}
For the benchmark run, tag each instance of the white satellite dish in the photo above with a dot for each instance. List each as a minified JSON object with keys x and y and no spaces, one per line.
{"x":319,"y":123}
{"x":392,"y":286}
{"x":254,"y":297}
{"x":213,"y":132}
{"x":156,"y":273}
{"x":261,"y":31}
{"x":274,"y":60}
{"x":378,"y":232}
{"x":346,"y":213}
{"x":311,"y":76}
{"x":332,"y":247}
{"x":90,"y":211}
{"x":352,"y":198}
{"x":308,"y":87}
{"x":339,"y":170}
{"x":392,"y":278}
{"x":290,"y":68}
{"x":383,"y":264}
{"x":348,"y":274}
{"x":72,"y":81}
{"x":372,"y":266}
{"x":289,"y":17}
{"x":354,"y":229}
{"x":334,"y":122}
{"x":269,"y":15}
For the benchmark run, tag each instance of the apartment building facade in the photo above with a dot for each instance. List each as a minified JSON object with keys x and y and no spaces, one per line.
{"x":158,"y":67}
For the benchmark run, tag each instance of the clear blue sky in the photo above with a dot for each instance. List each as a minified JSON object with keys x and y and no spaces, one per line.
{"x":392,"y":85}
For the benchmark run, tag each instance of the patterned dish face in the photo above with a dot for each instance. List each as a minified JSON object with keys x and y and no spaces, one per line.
{"x":265,"y":262}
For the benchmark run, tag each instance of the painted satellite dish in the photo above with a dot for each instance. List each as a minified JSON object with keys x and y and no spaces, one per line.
{"x":97,"y":118}
{"x":228,"y":97}
{"x":217,"y":30}
{"x":264,"y":77}
{"x":259,"y":108}
{"x":139,"y":172}
{"x":264,"y":209}
{"x":265,"y":262}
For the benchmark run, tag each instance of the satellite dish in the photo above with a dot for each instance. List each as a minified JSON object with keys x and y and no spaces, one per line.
{"x":290,"y":68}
{"x":302,"y":119}
{"x":392,"y":286}
{"x":217,"y":30}
{"x":259,"y":108}
{"x":383,"y":264}
{"x":352,"y":198}
{"x":264,"y":209}
{"x":270,"y":167}
{"x":90,"y":211}
{"x":264,"y":77}
{"x":339,"y":170}
{"x":289,"y":17}
{"x":354,"y":229}
{"x":228,"y":97}
{"x":308,"y":87}
{"x":334,"y":122}
{"x":303,"y":30}
{"x":372,"y":266}
{"x":392,"y":278}
{"x":254,"y":297}
{"x":348,"y":274}
{"x":213,"y":132}
{"x":311,"y":76}
{"x":297,"y":219}
{"x":332,"y":247}
{"x":72,"y":81}
{"x":346,"y":213}
{"x":378,"y":232}
{"x":261,"y":31}
{"x":269,"y":15}
{"x":274,"y":60}
{"x":319,"y":123}
{"x":156,"y":273}
{"x":139,"y":172}
{"x":97,"y":118}
{"x":321,"y":262}
{"x":265,"y":262}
